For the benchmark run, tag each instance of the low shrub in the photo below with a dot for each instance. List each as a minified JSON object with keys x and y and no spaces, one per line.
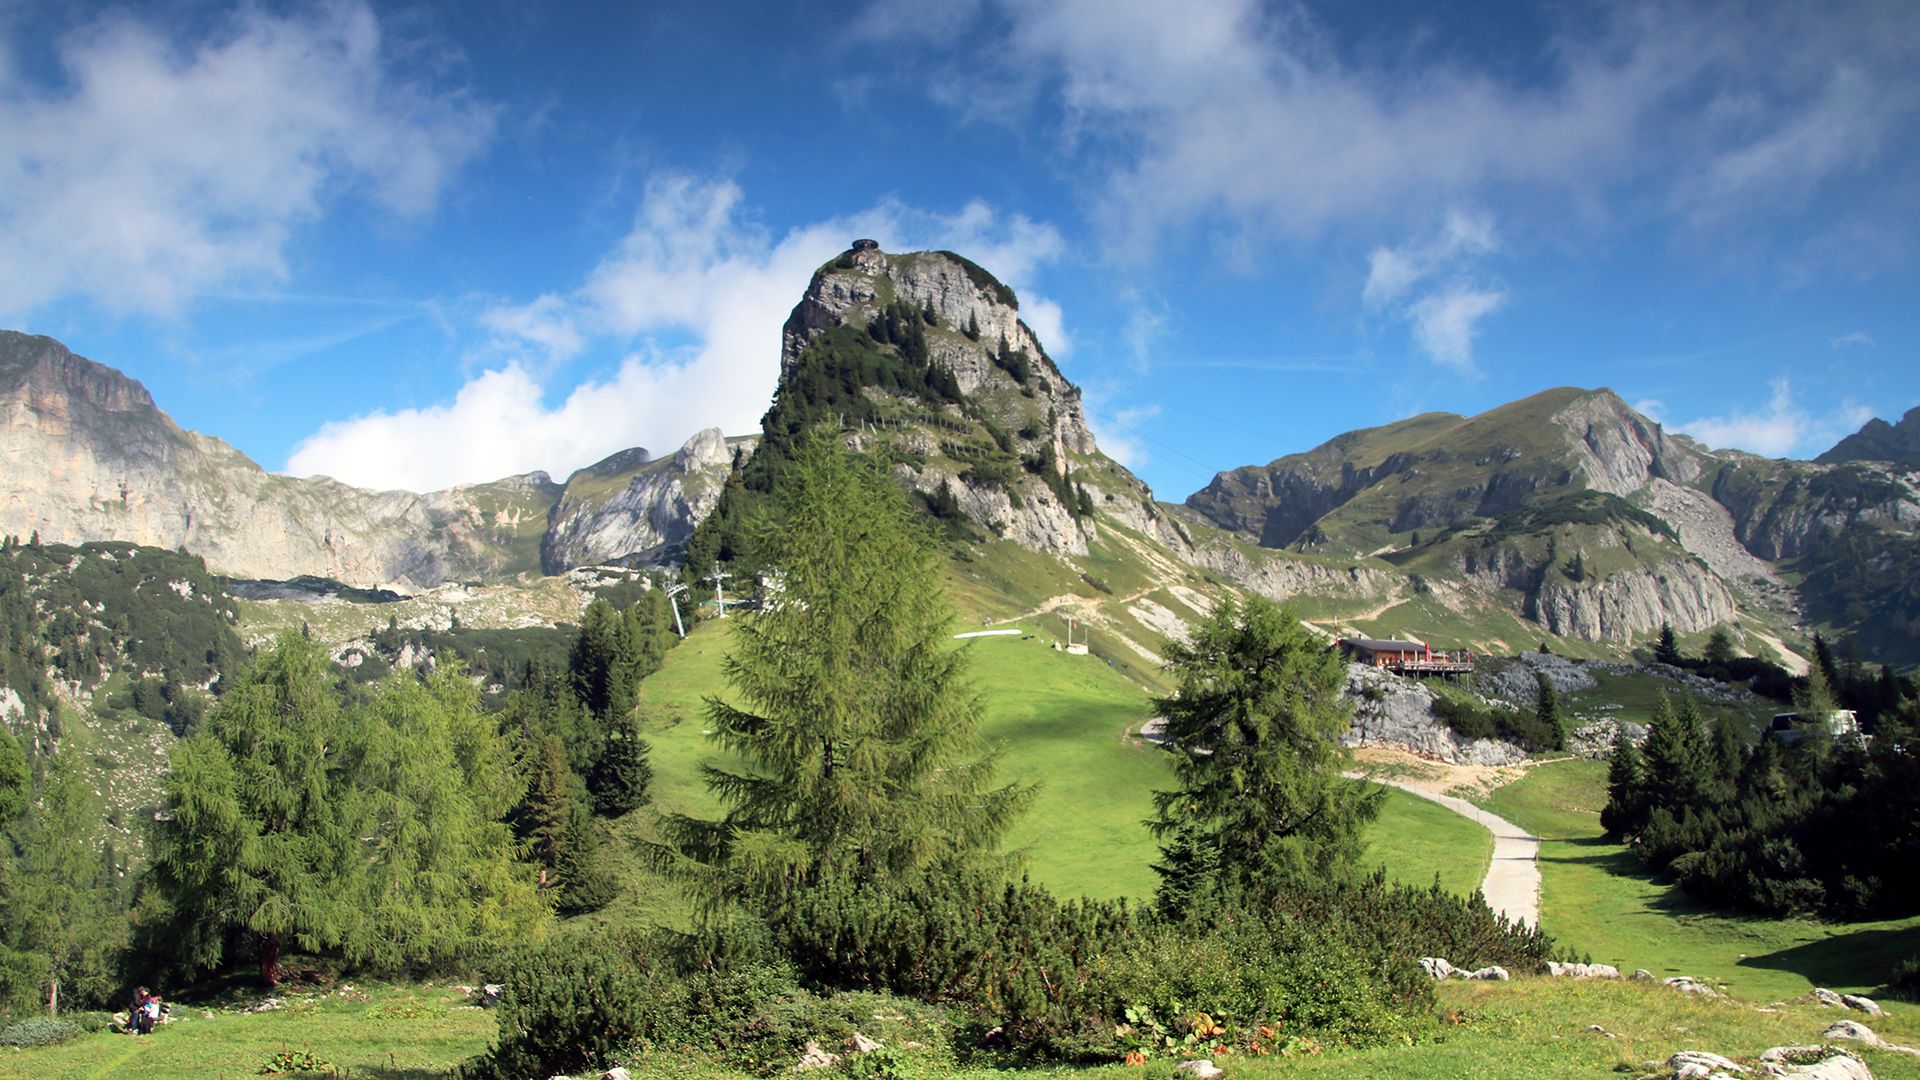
{"x":569,"y":1004}
{"x":1905,"y":981}
{"x":39,"y":1031}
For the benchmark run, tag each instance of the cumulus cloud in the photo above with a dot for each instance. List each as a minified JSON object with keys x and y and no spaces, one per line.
{"x":1784,"y":427}
{"x":691,"y":300}
{"x":1432,"y":282}
{"x":1116,"y":432}
{"x":158,"y":169}
{"x":1247,"y":113}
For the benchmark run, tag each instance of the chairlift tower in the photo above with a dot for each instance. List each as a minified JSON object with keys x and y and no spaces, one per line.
{"x":673,"y":597}
{"x":719,"y":577}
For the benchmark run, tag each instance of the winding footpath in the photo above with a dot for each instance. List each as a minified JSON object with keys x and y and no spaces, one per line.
{"x":1512,"y":886}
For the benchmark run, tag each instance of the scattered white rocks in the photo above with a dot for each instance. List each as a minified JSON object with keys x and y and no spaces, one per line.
{"x":1642,"y":975}
{"x":1701,"y":1065}
{"x":489,"y":995}
{"x":1855,"y":1002}
{"x":1687,"y":984}
{"x":1814,"y":1063}
{"x":864,"y":1045}
{"x":1494,"y":973}
{"x":1854,"y":1031}
{"x":1437,"y":967}
{"x":813,"y":1057}
{"x":1203,"y":1068}
{"x":269,"y":1004}
{"x":1582,"y":971}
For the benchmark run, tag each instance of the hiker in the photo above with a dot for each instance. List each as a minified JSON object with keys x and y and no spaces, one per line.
{"x":145,"y":1012}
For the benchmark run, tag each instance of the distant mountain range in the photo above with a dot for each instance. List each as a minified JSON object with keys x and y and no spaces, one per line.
{"x":1566,"y":514}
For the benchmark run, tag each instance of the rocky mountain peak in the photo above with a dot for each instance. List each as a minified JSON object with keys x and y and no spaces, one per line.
{"x":1878,"y":440}
{"x":1619,"y":450}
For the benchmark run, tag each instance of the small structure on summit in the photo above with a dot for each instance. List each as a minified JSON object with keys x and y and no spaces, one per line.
{"x":867,"y":256}
{"x":1406,"y":657}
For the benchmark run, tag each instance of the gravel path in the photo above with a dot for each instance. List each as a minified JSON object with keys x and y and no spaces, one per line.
{"x":1512,"y":886}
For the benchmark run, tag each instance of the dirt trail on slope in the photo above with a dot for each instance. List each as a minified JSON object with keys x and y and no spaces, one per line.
{"x":1512,"y":884}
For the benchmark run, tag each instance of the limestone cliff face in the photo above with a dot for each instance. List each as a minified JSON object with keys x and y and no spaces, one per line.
{"x":1635,"y":602}
{"x":89,"y":457}
{"x":628,"y":508}
{"x":973,"y":319}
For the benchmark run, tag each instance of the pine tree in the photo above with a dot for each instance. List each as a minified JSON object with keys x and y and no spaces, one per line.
{"x":602,"y":662}
{"x":1666,"y":650}
{"x":855,"y":724}
{"x":1546,"y":710}
{"x":1728,"y":756}
{"x":262,"y":830}
{"x":1255,"y":725}
{"x":1626,"y":808}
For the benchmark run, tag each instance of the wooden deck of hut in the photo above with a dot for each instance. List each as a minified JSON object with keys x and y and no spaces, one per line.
{"x":1407,"y":657}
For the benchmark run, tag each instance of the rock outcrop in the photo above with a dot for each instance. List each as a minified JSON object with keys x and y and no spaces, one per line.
{"x":90,"y":457}
{"x":1878,"y":440}
{"x":628,"y":508}
{"x":1392,"y":711}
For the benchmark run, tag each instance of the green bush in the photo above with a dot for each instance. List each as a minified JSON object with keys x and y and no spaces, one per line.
{"x":1905,"y":981}
{"x":39,"y":1031}
{"x":570,"y":1004}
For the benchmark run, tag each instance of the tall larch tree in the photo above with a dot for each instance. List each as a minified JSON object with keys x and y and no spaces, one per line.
{"x":851,"y":715}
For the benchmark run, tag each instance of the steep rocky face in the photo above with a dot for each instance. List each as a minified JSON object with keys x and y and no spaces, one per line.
{"x":1010,"y":447}
{"x":627,"y":507}
{"x":91,"y":458}
{"x":1898,"y":444}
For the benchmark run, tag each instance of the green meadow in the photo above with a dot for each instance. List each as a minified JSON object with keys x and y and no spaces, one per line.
{"x":1596,"y":899}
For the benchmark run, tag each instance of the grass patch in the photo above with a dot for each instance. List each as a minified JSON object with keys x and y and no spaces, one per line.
{"x":1416,"y":839}
{"x":391,"y":1034}
{"x":1596,"y":898}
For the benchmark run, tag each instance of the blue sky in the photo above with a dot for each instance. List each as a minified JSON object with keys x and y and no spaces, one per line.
{"x":418,"y":245}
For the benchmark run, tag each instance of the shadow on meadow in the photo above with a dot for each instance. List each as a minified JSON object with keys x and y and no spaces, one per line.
{"x":1855,"y":958}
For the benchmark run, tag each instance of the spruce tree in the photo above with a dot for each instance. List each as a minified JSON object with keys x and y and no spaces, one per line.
{"x":1255,"y":726}
{"x":619,"y":779}
{"x":1666,"y":650}
{"x":1675,"y":757}
{"x":1546,"y":710}
{"x":1626,"y":808}
{"x":855,"y":725}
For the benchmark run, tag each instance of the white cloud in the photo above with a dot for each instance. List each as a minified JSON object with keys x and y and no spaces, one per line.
{"x":1248,"y":113}
{"x":1853,"y":338}
{"x":1116,"y":434}
{"x":692,"y":299}
{"x":1444,"y":323}
{"x":160,"y":169}
{"x":1431,"y":283}
{"x":1784,"y":427}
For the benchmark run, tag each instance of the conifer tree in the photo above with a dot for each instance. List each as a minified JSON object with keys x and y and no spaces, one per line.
{"x":854,"y":723}
{"x":1546,"y":710}
{"x":620,"y":778}
{"x":1719,"y":650}
{"x":262,"y":832}
{"x":440,"y":780}
{"x":1255,"y":724}
{"x":1626,"y":788}
{"x":1666,"y":650}
{"x":1727,"y":756}
{"x":1675,"y":756}
{"x":58,"y":920}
